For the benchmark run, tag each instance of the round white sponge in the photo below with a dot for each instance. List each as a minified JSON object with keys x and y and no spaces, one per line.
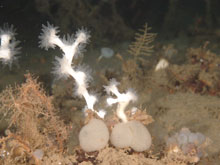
{"x":141,"y":137}
{"x":93,"y":136}
{"x":131,"y":134}
{"x":121,"y":136}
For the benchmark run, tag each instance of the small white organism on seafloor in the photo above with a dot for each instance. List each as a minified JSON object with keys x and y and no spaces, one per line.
{"x":71,"y":47}
{"x":106,"y":53}
{"x":8,"y":45}
{"x":128,"y":133}
{"x":162,"y":64}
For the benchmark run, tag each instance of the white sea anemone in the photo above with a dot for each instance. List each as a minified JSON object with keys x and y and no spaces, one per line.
{"x":8,"y":30}
{"x":8,"y":46}
{"x":122,"y":99}
{"x":49,"y":38}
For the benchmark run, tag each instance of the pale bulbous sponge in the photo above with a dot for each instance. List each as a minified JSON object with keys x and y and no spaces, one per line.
{"x":131,"y":134}
{"x":94,"y":136}
{"x":121,"y":136}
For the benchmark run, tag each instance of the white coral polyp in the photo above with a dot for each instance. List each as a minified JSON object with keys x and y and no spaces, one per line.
{"x":49,"y":38}
{"x":8,"y":47}
{"x":122,"y":99}
{"x":63,"y":66}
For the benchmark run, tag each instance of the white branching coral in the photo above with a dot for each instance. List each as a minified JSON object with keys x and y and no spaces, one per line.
{"x":8,"y":45}
{"x":70,"y":46}
{"x":122,"y":99}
